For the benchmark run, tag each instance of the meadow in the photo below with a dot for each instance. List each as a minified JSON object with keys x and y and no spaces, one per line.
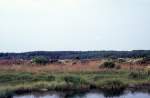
{"x":71,"y":75}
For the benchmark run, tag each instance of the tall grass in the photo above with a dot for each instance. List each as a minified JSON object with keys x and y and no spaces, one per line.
{"x":139,"y":75}
{"x":13,"y":82}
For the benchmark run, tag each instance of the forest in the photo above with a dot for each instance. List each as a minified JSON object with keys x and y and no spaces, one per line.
{"x":77,"y":54}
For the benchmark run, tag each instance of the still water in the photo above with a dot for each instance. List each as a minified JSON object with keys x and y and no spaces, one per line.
{"x":90,"y":94}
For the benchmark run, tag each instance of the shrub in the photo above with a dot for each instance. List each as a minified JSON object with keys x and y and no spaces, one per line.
{"x":23,"y":77}
{"x":108,"y":64}
{"x":113,"y":84}
{"x":40,"y":60}
{"x":138,"y":75}
{"x":74,"y":79}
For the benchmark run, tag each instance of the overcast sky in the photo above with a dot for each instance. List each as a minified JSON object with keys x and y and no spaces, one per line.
{"x":53,"y":25}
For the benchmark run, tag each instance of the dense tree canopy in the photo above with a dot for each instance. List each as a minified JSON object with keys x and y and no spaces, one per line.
{"x":75,"y":54}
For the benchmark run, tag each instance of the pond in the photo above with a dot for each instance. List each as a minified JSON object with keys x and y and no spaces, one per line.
{"x":89,"y":94}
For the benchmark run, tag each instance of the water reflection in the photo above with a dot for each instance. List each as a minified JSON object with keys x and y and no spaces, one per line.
{"x":90,"y":94}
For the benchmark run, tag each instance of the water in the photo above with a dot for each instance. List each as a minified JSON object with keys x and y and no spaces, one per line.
{"x":90,"y":94}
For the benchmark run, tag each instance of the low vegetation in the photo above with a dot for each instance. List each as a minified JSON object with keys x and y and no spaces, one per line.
{"x":113,"y":84}
{"x":108,"y":64}
{"x":67,"y":76}
{"x":40,"y":60}
{"x":139,"y":75}
{"x":74,"y":79}
{"x":19,"y":82}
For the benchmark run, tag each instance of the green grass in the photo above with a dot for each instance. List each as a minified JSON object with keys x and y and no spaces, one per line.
{"x":12,"y":82}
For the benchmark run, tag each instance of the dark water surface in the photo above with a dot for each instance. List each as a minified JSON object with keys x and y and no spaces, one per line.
{"x":90,"y":94}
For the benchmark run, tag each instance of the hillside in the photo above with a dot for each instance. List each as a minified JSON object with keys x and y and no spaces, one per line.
{"x":77,"y":54}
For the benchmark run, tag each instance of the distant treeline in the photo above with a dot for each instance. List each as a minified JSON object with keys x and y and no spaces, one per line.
{"x":77,"y":54}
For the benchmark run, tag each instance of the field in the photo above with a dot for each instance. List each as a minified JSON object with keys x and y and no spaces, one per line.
{"x":65,"y":66}
{"x":22,"y":76}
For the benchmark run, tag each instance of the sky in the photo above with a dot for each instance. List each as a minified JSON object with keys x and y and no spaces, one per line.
{"x":77,"y":25}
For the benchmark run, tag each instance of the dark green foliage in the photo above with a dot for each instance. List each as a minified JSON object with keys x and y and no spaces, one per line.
{"x":109,"y":80}
{"x":25,"y":77}
{"x":44,"y":78}
{"x":74,"y":54}
{"x":40,"y":60}
{"x":74,"y":79}
{"x":108,"y":64}
{"x":138,"y":75}
{"x":15,"y":77}
{"x":113,"y":84}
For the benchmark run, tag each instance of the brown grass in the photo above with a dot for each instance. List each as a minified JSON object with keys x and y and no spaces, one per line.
{"x":66,"y":66}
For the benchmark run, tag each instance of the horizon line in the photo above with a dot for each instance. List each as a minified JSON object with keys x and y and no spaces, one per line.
{"x":77,"y":51}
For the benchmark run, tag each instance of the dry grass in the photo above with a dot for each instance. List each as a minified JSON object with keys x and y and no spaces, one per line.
{"x":71,"y":66}
{"x":20,"y":75}
{"x":66,"y":66}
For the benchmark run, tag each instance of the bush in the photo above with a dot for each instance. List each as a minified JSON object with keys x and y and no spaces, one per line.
{"x":108,"y":64}
{"x":40,"y":60}
{"x":74,"y":79}
{"x":138,"y":75}
{"x":113,"y":84}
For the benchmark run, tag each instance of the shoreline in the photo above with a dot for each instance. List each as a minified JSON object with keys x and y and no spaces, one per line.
{"x":28,"y":79}
{"x":23,"y":90}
